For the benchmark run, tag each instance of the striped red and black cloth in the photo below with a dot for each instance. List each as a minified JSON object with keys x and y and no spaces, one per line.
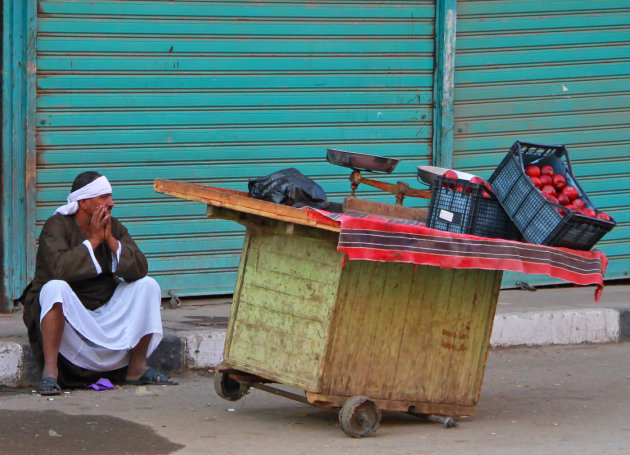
{"x":374,"y":238}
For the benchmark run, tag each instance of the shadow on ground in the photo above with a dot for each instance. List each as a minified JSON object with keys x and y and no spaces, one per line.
{"x":53,"y":432}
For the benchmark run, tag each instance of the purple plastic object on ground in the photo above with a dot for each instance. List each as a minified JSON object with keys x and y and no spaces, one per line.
{"x":101,"y":384}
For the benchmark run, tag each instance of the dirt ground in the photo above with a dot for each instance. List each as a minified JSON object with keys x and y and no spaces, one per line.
{"x":573,"y":399}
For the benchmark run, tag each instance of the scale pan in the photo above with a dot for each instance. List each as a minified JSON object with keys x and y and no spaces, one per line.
{"x":361,"y":161}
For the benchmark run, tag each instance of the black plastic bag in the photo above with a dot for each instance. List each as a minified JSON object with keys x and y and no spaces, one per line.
{"x":289,"y":187}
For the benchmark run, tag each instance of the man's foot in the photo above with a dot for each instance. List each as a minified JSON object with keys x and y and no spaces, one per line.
{"x":152,"y":376}
{"x":48,"y":386}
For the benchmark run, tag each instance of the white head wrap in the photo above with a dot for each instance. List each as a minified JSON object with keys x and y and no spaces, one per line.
{"x":97,"y":187}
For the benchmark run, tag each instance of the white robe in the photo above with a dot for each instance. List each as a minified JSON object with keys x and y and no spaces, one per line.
{"x":100,"y":340}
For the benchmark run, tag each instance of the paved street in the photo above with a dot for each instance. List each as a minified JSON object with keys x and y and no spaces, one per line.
{"x":550,"y":400}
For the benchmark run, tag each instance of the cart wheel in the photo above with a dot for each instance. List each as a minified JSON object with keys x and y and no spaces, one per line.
{"x":359,"y":417}
{"x":228,"y":388}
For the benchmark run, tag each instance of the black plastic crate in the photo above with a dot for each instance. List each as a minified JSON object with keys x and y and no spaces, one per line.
{"x":461,"y":206}
{"x":538,"y":219}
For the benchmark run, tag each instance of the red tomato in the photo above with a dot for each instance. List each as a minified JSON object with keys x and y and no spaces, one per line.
{"x":545,"y":180}
{"x":588,"y":212}
{"x":579,"y":203}
{"x":532,"y":170}
{"x":548,"y":189}
{"x":603,"y":216}
{"x":484,"y":193}
{"x":536,"y":181}
{"x":559,"y":181}
{"x":563,"y":199}
{"x":561,"y":211}
{"x":459,"y":188}
{"x":546,"y":170}
{"x":552,"y":198}
{"x":571,"y":192}
{"x":476,"y":180}
{"x":450,"y":174}
{"x":571,"y":207}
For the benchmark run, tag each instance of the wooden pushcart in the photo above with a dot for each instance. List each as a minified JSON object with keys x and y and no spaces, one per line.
{"x":361,"y":336}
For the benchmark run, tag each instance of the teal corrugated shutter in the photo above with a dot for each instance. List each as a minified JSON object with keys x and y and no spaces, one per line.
{"x":549,"y":73}
{"x":216,"y":92}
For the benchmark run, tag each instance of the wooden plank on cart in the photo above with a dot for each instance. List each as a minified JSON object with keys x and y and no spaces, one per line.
{"x":421,"y":334}
{"x":482,"y":327}
{"x":453,"y":339}
{"x":240,"y":201}
{"x":363,"y":319}
{"x":388,"y":339}
{"x":355,"y":205}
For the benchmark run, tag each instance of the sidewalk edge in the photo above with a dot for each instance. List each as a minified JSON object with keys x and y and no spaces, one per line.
{"x":200,"y":349}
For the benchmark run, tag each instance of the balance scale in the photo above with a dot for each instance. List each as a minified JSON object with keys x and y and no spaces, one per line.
{"x":377,"y":164}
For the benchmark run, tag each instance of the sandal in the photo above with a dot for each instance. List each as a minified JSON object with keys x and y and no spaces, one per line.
{"x":152,"y":376}
{"x":48,"y":386}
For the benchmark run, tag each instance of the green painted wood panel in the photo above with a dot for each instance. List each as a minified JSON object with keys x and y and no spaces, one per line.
{"x":551,"y":73}
{"x":284,"y":298}
{"x":217,"y":92}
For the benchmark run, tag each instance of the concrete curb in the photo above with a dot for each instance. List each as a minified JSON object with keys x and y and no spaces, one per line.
{"x":559,"y":327}
{"x":203,"y":348}
{"x":190,"y":350}
{"x":11,"y":355}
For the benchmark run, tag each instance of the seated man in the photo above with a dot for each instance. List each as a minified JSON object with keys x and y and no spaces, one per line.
{"x":83,"y":321}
